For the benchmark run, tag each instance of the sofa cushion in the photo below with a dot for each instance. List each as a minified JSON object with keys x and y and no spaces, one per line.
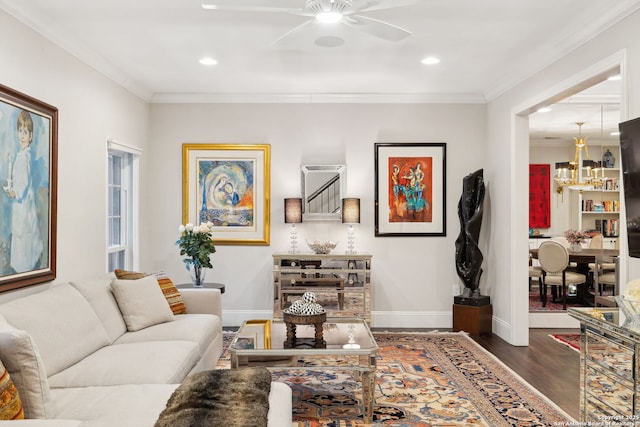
{"x":10,"y":403}
{"x":61,"y":322}
{"x":141,"y":302}
{"x":113,"y":406}
{"x":97,"y":290}
{"x":153,"y":362}
{"x":199,"y":328}
{"x":169,"y":290}
{"x":21,"y":358}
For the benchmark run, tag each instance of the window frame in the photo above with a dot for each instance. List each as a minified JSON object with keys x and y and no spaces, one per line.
{"x":129,"y":202}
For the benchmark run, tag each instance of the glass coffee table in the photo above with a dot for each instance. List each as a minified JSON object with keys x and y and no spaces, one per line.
{"x":350,"y":346}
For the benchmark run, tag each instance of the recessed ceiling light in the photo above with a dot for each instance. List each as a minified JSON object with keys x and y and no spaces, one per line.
{"x":544,"y":109}
{"x":329,"y":17}
{"x":615,"y":134}
{"x":207,"y":60}
{"x":430,"y":60}
{"x":614,"y":78}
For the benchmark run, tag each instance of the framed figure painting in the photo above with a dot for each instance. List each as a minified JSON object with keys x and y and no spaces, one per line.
{"x":228,"y":185}
{"x":28,"y":176}
{"x":410,"y":189}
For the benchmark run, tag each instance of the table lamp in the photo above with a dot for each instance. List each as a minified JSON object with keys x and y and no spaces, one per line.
{"x":293,"y":216}
{"x":351,"y":215}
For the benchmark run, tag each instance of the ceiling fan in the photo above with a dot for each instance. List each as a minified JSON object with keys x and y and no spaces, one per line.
{"x":346,"y":12}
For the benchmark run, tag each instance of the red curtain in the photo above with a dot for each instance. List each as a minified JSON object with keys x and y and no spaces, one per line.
{"x":539,"y":197}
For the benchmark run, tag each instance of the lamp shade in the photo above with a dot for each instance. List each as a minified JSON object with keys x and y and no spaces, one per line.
{"x":293,"y":210}
{"x":351,"y":211}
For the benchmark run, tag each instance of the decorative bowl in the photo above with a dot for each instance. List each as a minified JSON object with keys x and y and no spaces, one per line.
{"x":322,"y":247}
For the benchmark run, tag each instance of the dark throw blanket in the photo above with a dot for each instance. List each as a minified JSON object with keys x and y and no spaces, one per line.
{"x":226,"y":398}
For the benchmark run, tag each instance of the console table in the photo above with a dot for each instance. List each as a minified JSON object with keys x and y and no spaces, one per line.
{"x":609,"y":371}
{"x":341,"y":282}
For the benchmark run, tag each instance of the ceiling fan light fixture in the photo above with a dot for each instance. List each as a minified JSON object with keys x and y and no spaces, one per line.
{"x":328,"y":11}
{"x":329,"y":17}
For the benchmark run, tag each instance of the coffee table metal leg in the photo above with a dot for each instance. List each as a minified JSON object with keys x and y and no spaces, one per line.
{"x":234,"y":361}
{"x":368,"y":397}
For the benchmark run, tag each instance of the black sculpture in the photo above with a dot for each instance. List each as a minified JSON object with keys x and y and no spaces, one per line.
{"x":468,"y":255}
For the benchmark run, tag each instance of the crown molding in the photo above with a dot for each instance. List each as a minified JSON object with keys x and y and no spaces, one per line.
{"x":316,"y":98}
{"x":616,"y":13}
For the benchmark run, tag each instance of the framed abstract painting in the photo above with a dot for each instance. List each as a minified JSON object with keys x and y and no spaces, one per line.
{"x":28,"y":200}
{"x":539,"y":196}
{"x":228,"y":185}
{"x":410,"y":189}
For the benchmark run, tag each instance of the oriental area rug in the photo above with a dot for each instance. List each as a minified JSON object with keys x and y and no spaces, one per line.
{"x":422,"y":379}
{"x":570,"y":340}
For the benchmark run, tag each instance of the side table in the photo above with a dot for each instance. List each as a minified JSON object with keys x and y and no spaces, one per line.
{"x":206,"y":285}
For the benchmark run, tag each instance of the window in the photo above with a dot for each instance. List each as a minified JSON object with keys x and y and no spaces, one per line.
{"x":122,"y":207}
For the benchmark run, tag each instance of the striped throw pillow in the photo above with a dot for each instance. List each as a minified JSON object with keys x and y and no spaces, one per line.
{"x":169,"y":290}
{"x":10,"y":403}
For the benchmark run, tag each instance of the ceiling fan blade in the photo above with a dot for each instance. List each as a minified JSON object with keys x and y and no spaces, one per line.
{"x":377,"y":28}
{"x":369,"y":5}
{"x":247,"y":8}
{"x":292,"y":31}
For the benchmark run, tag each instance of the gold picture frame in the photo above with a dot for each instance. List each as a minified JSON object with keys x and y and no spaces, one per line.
{"x":262,"y":329}
{"x":228,"y":185}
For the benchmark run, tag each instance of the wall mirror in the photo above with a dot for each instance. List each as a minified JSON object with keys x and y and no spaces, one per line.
{"x":323,"y":187}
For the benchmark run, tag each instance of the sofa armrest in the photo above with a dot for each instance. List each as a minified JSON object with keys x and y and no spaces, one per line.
{"x":205,"y":301}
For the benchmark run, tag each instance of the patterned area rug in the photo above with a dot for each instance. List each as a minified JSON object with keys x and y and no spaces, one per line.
{"x":423,"y":379}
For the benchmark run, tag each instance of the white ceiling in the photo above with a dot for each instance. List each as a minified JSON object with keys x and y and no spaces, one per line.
{"x":152,"y":47}
{"x":597,"y":107}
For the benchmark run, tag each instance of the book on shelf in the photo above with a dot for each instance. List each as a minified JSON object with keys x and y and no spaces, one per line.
{"x":602,"y":206}
{"x":608,"y":227}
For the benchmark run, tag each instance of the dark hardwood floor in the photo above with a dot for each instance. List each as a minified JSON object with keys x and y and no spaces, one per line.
{"x":550,"y":367}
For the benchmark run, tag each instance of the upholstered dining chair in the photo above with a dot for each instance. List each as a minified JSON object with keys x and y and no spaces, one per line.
{"x":596,"y":243}
{"x":564,"y":242}
{"x":554,"y":259}
{"x":535,"y":272}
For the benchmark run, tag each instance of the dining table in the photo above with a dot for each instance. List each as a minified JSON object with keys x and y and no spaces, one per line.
{"x":582,"y":259}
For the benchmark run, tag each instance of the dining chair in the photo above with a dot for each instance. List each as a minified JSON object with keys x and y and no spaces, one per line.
{"x":535,"y":272}
{"x":564,"y":242}
{"x":554,"y":260}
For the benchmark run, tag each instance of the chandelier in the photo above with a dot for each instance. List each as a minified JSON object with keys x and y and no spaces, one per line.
{"x":570,"y":174}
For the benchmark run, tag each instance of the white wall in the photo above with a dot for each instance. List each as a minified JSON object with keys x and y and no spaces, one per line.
{"x":91,"y":108}
{"x":505,"y":135}
{"x":412,"y":276}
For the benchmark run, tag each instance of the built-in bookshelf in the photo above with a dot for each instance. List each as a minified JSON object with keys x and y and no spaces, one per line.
{"x":597,"y":208}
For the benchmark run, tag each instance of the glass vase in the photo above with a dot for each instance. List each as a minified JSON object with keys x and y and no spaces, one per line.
{"x":576,"y":247}
{"x":197,"y":273}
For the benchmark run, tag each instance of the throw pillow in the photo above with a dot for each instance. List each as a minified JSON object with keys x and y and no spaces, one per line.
{"x":20,"y":355}
{"x":10,"y":403}
{"x":169,"y":290}
{"x":141,"y":302}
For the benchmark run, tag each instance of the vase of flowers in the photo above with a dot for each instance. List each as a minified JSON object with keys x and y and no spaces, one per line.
{"x":575,"y":239}
{"x":196,"y":242}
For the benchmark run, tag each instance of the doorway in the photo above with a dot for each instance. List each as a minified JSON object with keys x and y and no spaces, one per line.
{"x":589,"y":111}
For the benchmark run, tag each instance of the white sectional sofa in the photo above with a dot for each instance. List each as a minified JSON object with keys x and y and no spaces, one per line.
{"x":76,"y":362}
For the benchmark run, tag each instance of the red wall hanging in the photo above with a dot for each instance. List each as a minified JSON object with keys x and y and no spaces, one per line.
{"x":539,"y":196}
